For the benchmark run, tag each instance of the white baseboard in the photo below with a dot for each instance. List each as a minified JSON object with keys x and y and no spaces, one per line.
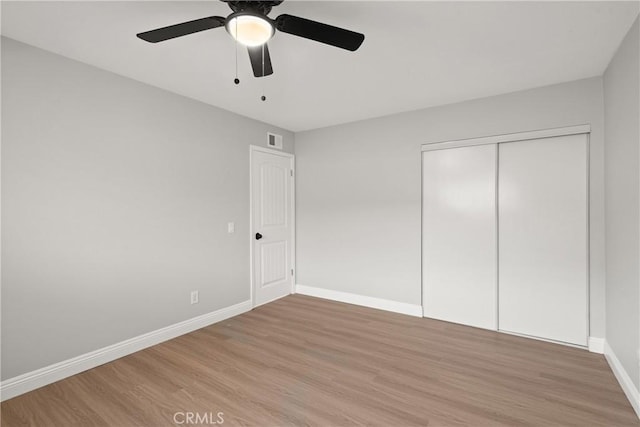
{"x":623,"y":378}
{"x":596,"y":345}
{"x":52,"y":373}
{"x":379,"y":303}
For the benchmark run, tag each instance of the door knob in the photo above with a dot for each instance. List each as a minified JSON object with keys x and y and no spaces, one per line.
{"x":258,"y":236}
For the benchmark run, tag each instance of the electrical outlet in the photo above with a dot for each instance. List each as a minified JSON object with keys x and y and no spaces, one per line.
{"x":194,"y":297}
{"x":231,"y":227}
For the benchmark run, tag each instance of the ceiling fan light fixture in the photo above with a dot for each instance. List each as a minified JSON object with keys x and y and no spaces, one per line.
{"x":249,"y":29}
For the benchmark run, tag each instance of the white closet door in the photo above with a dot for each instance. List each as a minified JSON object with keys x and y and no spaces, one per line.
{"x":543,"y":279}
{"x":459,"y":235}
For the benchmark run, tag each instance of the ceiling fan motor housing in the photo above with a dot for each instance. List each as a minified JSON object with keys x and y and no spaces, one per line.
{"x":261,"y":7}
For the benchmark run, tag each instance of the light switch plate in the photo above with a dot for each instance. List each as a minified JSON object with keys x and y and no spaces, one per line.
{"x":231,"y":227}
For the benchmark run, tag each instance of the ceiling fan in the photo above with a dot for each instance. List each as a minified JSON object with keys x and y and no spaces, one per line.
{"x":249,"y":25}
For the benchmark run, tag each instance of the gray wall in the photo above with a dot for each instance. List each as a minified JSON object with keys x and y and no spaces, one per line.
{"x":115,"y":202}
{"x":622,"y":177}
{"x":358,"y":188}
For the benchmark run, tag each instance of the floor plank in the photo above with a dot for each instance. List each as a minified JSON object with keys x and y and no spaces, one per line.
{"x":304,"y":361}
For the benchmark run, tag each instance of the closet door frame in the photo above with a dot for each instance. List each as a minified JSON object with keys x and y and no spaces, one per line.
{"x":514,"y":137}
{"x":508,"y":137}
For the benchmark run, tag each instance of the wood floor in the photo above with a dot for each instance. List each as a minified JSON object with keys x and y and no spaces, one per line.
{"x":305,"y":361}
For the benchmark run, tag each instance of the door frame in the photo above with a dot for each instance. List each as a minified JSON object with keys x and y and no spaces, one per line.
{"x":292,"y":160}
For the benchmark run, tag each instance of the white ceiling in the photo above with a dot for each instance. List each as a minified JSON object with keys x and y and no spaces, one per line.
{"x":415,"y":55}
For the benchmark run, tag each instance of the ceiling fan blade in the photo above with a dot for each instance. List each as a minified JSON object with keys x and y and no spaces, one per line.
{"x":323,"y":33}
{"x":255,"y":55}
{"x":183,"y":29}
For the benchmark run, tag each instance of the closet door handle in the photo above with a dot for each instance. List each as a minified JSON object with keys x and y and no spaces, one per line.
{"x":258,"y":236}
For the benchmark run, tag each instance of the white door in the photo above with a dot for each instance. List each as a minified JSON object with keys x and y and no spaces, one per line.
{"x":459,"y":235}
{"x":543,"y":258}
{"x":272,"y":224}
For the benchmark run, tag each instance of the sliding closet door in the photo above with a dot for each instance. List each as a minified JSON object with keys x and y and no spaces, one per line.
{"x":542,"y":230}
{"x":459,"y":235}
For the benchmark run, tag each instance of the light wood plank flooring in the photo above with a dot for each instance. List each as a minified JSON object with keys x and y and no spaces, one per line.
{"x":305,"y":361}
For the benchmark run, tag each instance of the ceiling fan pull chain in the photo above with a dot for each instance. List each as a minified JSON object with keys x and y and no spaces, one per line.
{"x":236,"y":80}
{"x":264,"y":98}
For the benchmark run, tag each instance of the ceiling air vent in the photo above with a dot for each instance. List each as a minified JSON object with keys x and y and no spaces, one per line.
{"x":274,"y":141}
